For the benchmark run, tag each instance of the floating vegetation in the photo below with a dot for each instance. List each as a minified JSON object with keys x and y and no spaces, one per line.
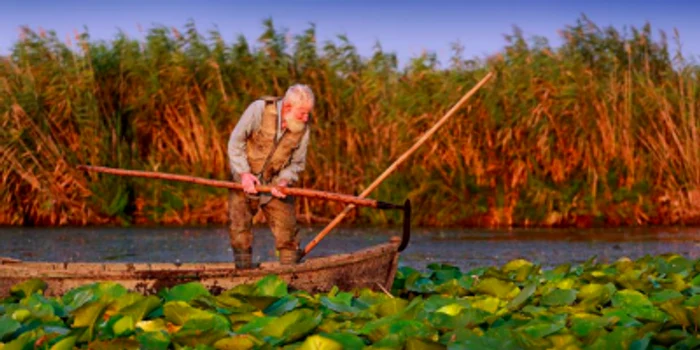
{"x":650,"y":303}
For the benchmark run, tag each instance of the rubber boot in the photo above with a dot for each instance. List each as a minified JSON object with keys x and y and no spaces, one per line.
{"x":243,"y":258}
{"x":289,"y":256}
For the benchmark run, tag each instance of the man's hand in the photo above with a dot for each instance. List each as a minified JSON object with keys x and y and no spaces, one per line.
{"x":249,"y":181}
{"x":275,"y":190}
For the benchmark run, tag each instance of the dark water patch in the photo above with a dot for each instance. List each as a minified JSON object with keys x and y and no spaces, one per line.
{"x":464,"y":248}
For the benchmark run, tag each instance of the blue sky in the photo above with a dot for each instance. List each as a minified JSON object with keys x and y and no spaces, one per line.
{"x":404,"y":27}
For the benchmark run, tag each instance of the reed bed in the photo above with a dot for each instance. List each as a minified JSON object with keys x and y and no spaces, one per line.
{"x":600,"y":131}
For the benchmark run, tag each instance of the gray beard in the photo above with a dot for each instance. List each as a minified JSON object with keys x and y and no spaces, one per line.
{"x":295,"y":125}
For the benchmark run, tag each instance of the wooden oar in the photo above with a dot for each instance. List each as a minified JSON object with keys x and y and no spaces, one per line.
{"x":301,"y":192}
{"x":393,"y":167}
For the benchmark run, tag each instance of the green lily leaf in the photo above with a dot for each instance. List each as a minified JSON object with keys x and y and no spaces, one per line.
{"x":25,"y":340}
{"x":67,"y":343}
{"x":346,"y":340}
{"x":256,"y":302}
{"x":8,"y":326}
{"x":271,"y":286}
{"x":282,"y":306}
{"x":293,"y":325}
{"x":367,"y":298}
{"x":621,"y":318}
{"x":318,"y":342}
{"x":637,"y":305}
{"x":442,"y":273}
{"x":436,"y":302}
{"x":105,"y":291}
{"x":675,"y":281}
{"x":241,"y":341}
{"x":256,"y":324}
{"x":533,"y":310}
{"x":501,"y":339}
{"x":115,"y":344}
{"x":125,"y":325}
{"x":695,"y":281}
{"x":498,"y":288}
{"x":36,"y":307}
{"x":679,"y":314}
{"x":564,"y":341}
{"x":156,"y":340}
{"x":674,"y":264}
{"x":693,"y":301}
{"x":648,"y":314}
{"x":632,"y":279}
{"x":670,"y":337}
{"x":486,"y":303}
{"x":665,"y":295}
{"x":125,"y":300}
{"x":391,"y":307}
{"x":142,"y":307}
{"x":543,"y":326}
{"x":88,"y":316}
{"x":466,"y":281}
{"x":28,"y":287}
{"x":184,"y":292}
{"x":410,"y":328}
{"x":390,"y":341}
{"x":451,"y":309}
{"x":341,"y":302}
{"x":152,"y":326}
{"x":515,"y":265}
{"x":559,"y":297}
{"x":619,"y":338}
{"x":233,"y":304}
{"x":205,"y":331}
{"x":38,"y":301}
{"x":179,"y":312}
{"x":452,"y":287}
{"x":472,"y":317}
{"x":422,"y":344}
{"x":522,"y":297}
{"x":417,"y":283}
{"x":585,"y":324}
{"x":262,"y":293}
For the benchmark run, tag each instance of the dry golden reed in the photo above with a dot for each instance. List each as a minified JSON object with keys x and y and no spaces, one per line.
{"x":600,"y":131}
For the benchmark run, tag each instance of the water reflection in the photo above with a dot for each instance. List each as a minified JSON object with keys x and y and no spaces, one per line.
{"x":464,"y":248}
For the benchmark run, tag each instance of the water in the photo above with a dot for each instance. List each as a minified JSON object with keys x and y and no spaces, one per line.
{"x":463,"y":248}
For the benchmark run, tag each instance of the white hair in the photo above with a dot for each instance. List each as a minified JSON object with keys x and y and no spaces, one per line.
{"x":299,"y":93}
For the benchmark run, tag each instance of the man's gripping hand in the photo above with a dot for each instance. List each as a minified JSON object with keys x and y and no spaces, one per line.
{"x":249,"y":181}
{"x":275,"y":190}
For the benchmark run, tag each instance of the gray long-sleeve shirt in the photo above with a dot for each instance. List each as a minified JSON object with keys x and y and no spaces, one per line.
{"x":249,"y":122}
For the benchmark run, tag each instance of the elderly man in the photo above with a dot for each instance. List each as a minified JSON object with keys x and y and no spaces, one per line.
{"x":268,"y":147}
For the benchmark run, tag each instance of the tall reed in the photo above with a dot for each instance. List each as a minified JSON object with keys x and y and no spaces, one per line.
{"x":600,"y":131}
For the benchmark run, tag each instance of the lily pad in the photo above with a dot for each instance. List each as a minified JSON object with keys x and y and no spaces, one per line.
{"x":559,"y":297}
{"x":184,"y":292}
{"x":7,"y":327}
{"x":28,"y":287}
{"x":292,"y":325}
{"x":497,"y":288}
{"x":156,"y":340}
{"x":522,"y":297}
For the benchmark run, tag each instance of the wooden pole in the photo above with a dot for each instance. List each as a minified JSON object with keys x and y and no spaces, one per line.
{"x":233,"y":185}
{"x":393,"y":167}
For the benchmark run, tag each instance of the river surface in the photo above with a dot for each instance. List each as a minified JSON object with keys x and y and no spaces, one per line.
{"x":465,"y":248}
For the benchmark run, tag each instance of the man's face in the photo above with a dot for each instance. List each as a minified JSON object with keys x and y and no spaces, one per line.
{"x":296,"y":116}
{"x":299,"y":112}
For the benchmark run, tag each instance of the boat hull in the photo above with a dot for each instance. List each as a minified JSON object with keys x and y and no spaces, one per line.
{"x":372,"y":268}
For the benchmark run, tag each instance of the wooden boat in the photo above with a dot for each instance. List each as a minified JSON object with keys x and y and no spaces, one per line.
{"x":373,"y":268}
